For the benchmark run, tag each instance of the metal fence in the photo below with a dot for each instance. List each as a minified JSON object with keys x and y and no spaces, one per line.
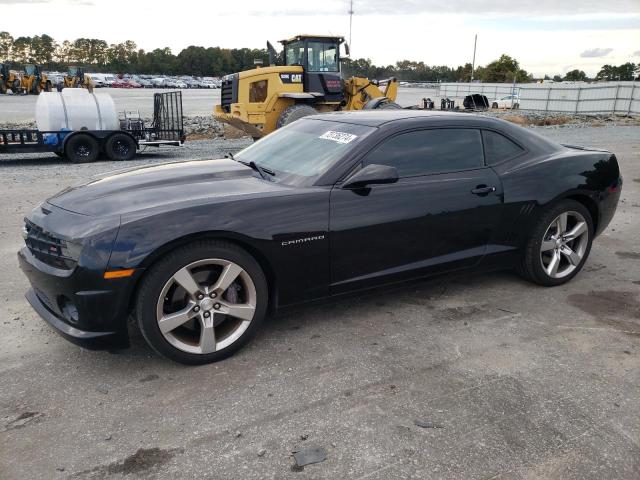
{"x":614,"y":98}
{"x":618,"y":98}
{"x":491,"y":90}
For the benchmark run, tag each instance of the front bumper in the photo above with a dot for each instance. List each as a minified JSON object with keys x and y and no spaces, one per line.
{"x":101,"y":305}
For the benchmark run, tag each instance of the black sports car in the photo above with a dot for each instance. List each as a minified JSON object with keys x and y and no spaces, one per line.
{"x":201,"y":251}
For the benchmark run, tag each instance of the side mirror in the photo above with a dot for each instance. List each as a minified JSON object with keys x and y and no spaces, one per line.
{"x":371,"y":175}
{"x":347,"y":49}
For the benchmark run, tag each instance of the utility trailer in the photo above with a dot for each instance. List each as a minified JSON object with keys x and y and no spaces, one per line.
{"x":80,"y":146}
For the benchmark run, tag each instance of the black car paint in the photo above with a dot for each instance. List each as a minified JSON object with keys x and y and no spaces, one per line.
{"x":315,"y":241}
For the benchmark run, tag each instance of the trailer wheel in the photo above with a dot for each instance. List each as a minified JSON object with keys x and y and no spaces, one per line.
{"x":82,"y":148}
{"x":120,"y":147}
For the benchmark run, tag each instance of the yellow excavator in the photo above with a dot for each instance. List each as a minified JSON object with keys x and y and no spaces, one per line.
{"x":34,"y":81}
{"x":309,"y":81}
{"x":76,"y":78}
{"x":9,"y":80}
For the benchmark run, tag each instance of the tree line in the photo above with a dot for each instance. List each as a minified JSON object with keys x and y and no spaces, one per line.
{"x":99,"y":56}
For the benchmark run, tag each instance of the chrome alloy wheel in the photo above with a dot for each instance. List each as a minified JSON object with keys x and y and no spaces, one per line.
{"x":206,"y":306}
{"x":564,"y":244}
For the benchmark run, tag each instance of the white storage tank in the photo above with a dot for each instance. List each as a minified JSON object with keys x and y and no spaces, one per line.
{"x":75,"y":109}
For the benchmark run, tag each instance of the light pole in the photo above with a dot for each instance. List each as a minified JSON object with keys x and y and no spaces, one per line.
{"x":473,"y":63}
{"x":350,"y":20}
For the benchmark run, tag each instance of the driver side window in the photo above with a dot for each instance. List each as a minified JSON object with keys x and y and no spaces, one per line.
{"x":425,"y":152}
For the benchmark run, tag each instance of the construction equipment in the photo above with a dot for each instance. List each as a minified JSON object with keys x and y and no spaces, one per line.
{"x":9,"y":80}
{"x":310,"y":81}
{"x":34,"y":81}
{"x":76,"y":78}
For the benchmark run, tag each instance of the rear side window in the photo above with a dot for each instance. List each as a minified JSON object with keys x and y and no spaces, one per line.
{"x":426,"y":152}
{"x":498,"y":147}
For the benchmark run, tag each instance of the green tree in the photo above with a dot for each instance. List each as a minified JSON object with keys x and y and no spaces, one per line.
{"x":6,"y":45}
{"x":504,"y":70}
{"x":575,"y":76}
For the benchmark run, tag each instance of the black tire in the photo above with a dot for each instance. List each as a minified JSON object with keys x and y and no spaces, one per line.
{"x":3,"y":88}
{"x":293,"y":113}
{"x":82,"y":148}
{"x":16,"y":87}
{"x":531,"y":266}
{"x":516,"y":106}
{"x":120,"y":147}
{"x":48,"y":87}
{"x":161,"y":272}
{"x":495,"y":105}
{"x":60,"y":154}
{"x":388,"y":105}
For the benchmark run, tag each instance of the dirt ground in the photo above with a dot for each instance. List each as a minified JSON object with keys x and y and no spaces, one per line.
{"x":473,"y":377}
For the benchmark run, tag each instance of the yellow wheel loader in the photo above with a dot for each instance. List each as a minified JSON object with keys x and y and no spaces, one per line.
{"x":34,"y":81}
{"x":76,"y":78}
{"x":310,"y":81}
{"x":9,"y":80}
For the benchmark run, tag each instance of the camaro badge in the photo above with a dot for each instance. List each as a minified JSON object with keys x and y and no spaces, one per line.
{"x":302,"y":240}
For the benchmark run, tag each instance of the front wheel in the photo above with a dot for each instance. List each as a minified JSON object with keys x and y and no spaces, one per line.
{"x":559,"y":244}
{"x":202,"y":302}
{"x":82,"y":148}
{"x":495,"y":105}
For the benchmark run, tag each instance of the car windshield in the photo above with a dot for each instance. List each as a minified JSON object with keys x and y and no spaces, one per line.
{"x":300,"y":153}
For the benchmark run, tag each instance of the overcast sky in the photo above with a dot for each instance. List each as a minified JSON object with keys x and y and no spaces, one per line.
{"x":546,"y":36}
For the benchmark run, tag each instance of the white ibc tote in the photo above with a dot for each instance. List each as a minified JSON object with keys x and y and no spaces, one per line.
{"x":75,"y":109}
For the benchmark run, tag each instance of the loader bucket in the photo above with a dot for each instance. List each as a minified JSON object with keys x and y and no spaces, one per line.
{"x":247,"y":128}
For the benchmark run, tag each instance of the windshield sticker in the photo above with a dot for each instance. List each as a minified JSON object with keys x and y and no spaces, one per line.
{"x":339,"y":137}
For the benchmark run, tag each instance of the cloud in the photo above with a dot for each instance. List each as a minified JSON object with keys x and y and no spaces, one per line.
{"x":21,"y":2}
{"x":596,"y":52}
{"x":636,"y":53}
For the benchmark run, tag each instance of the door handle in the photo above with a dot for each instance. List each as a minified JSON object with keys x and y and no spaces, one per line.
{"x":483,"y":190}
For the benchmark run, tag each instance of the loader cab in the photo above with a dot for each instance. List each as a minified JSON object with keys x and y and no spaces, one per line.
{"x":319,"y":57}
{"x":74,"y":72}
{"x":32,"y":70}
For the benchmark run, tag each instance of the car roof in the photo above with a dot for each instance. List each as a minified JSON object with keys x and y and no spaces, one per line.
{"x":402,"y":118}
{"x":375,"y":118}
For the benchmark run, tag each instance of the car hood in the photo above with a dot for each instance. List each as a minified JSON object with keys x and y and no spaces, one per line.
{"x":181,"y":183}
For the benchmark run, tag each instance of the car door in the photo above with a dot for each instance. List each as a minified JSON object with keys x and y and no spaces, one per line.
{"x":438,"y":216}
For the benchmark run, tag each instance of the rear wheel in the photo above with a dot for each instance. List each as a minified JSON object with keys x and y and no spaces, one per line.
{"x":495,"y":105}
{"x":516,"y":106}
{"x":120,"y":147}
{"x":82,"y":148}
{"x":559,"y":245}
{"x":202,"y":302}
{"x":293,"y":113}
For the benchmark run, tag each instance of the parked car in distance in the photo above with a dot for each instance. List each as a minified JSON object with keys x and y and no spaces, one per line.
{"x":144,"y":83}
{"x":508,"y":101}
{"x":207,"y":84}
{"x":158,"y":82}
{"x":200,"y":251}
{"x":121,"y":83}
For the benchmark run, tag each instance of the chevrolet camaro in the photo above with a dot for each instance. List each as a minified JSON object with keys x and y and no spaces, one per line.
{"x":199,"y":252}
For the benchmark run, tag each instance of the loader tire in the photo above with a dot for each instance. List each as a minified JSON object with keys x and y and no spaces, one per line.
{"x":293,"y":113}
{"x":389,"y":105}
